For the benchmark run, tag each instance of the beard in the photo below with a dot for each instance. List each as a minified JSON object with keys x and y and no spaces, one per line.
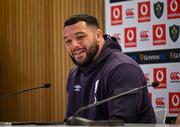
{"x":90,"y":54}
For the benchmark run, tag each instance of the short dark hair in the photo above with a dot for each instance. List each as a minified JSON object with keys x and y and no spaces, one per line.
{"x":90,"y":20}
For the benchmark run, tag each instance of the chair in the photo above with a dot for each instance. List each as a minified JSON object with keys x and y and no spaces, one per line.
{"x":160,"y":115}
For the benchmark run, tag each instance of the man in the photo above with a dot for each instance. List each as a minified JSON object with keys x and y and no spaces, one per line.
{"x":178,"y":119}
{"x":102,"y":71}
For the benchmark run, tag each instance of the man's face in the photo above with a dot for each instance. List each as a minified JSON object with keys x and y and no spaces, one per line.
{"x":81,"y":43}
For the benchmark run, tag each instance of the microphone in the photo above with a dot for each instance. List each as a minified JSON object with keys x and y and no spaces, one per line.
{"x":73,"y":120}
{"x":46,"y":85}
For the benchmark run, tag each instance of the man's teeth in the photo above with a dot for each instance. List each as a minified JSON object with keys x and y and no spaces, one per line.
{"x":77,"y":52}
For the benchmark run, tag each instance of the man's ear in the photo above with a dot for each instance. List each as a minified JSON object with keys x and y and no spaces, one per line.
{"x":99,"y":35}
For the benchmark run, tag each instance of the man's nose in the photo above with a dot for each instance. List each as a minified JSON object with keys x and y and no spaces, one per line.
{"x":75,"y":43}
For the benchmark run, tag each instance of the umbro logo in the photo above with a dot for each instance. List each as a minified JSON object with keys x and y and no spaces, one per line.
{"x":77,"y":88}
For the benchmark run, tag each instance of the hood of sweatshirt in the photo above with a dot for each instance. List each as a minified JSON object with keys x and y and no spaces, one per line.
{"x":110,"y":45}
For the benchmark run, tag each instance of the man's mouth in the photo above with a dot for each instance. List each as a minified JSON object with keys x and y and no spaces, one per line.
{"x":78,"y":54}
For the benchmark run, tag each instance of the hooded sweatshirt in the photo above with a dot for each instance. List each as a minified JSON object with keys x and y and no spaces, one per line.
{"x":110,"y":74}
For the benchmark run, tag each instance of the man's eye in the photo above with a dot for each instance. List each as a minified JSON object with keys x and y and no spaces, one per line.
{"x":80,"y":37}
{"x":67,"y":42}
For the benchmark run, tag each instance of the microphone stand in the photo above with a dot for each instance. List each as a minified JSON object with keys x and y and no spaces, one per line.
{"x":74,"y":120}
{"x":47,"y":85}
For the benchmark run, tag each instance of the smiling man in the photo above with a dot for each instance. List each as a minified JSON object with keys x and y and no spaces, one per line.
{"x":101,"y":70}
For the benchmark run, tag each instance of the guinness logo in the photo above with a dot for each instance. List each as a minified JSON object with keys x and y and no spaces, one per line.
{"x":174,"y":55}
{"x":174,"y":32}
{"x":158,"y":9}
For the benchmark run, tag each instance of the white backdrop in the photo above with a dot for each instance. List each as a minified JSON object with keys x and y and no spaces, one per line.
{"x":148,"y":31}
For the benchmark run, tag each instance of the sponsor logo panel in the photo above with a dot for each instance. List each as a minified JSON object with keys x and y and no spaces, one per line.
{"x":160,"y":76}
{"x":130,"y":37}
{"x":129,"y":13}
{"x":158,"y":9}
{"x":159,"y":34}
{"x":174,"y":55}
{"x":144,"y":35}
{"x":175,"y":77}
{"x":147,"y":77}
{"x":160,"y":102}
{"x":157,"y":56}
{"x":116,"y":15}
{"x":174,"y":32}
{"x":150,"y":97}
{"x":174,"y":102}
{"x":117,"y":36}
{"x":146,"y":57}
{"x":173,"y":7}
{"x":144,"y":11}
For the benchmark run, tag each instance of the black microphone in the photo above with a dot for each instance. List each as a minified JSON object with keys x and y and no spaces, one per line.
{"x":46,"y":85}
{"x":73,"y":120}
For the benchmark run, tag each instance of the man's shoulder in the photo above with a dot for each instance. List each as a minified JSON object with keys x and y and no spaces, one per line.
{"x":118,"y":58}
{"x":120,"y":61}
{"x":73,"y":70}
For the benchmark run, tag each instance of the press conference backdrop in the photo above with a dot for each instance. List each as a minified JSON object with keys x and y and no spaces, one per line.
{"x":148,"y":31}
{"x":32,"y":52}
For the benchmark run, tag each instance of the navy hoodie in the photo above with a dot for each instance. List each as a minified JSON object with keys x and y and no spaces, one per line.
{"x":110,"y":74}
